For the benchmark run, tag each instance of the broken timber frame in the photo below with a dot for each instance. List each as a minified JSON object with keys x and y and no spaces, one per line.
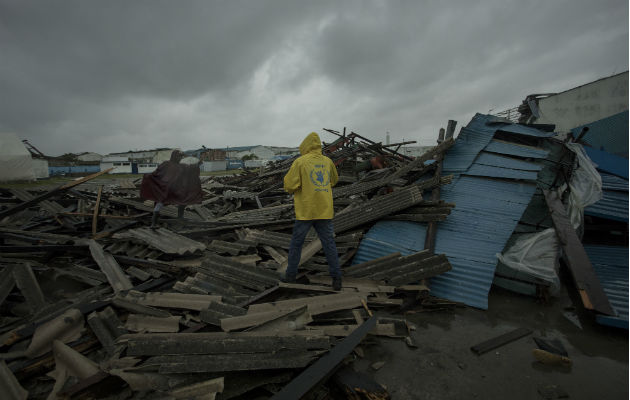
{"x":587,"y":283}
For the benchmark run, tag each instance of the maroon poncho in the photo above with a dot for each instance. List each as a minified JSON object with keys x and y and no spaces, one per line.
{"x":172,"y":183}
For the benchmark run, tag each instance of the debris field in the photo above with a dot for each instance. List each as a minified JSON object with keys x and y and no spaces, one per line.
{"x":95,"y":303}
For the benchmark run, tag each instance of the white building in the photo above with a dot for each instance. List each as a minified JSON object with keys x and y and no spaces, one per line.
{"x":583,"y":104}
{"x":261,"y":153}
{"x":121,"y":165}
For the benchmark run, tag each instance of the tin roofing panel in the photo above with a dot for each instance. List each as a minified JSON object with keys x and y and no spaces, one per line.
{"x":613,"y":205}
{"x":525,"y":130}
{"x":495,"y":160}
{"x":612,"y":182}
{"x":608,"y":134}
{"x":608,"y":162}
{"x":486,"y":212}
{"x":611,"y":266}
{"x":498,"y":172}
{"x":512,"y":149}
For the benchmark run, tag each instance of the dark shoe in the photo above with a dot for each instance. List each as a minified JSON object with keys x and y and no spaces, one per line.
{"x":288,"y":280}
{"x":180,"y":211}
{"x":336,"y":284}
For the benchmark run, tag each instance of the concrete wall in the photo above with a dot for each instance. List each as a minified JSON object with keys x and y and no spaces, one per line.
{"x":209,"y":166}
{"x":73,"y":169}
{"x":120,"y":167}
{"x":147,"y":168}
{"x":586,"y":103}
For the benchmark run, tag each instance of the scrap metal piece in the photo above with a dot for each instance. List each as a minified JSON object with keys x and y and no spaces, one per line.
{"x":323,"y":367}
{"x":107,"y":263}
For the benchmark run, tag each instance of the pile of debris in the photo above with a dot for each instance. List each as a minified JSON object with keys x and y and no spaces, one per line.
{"x":94,"y":302}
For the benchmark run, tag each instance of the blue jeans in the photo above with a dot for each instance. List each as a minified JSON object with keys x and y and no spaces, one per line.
{"x":324,"y":229}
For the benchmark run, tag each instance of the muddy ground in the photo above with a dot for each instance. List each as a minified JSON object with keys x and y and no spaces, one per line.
{"x":444,"y":367}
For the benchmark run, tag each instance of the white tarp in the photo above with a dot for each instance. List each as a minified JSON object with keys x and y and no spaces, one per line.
{"x":16,"y":163}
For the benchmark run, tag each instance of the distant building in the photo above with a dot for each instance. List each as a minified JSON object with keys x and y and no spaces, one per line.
{"x":121,"y":165}
{"x":89,"y":157}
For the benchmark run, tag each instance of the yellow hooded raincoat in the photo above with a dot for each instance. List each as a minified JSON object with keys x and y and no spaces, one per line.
{"x":311,"y":178}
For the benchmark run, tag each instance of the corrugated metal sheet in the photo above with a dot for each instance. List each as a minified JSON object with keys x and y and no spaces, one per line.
{"x":609,"y":134}
{"x":497,"y":172}
{"x":614,"y":204}
{"x":611,"y":266}
{"x":477,"y":229}
{"x":525,"y":130}
{"x":608,"y":162}
{"x":486,"y":213}
{"x":495,"y":160}
{"x":511,"y":149}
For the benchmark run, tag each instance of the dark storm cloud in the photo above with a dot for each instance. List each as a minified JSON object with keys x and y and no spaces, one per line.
{"x":116,"y":75}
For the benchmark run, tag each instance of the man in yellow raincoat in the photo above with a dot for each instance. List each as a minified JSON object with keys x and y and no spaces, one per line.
{"x":310,"y":179}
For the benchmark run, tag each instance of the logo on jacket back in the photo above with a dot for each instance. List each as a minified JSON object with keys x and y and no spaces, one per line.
{"x":319,"y":177}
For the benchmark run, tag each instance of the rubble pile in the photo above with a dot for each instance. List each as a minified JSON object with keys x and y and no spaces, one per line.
{"x":93,"y":302}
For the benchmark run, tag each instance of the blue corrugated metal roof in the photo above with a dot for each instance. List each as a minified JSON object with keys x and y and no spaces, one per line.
{"x":608,"y":162}
{"x":511,"y":149}
{"x":525,"y":130}
{"x":487,"y":211}
{"x":609,"y":134}
{"x":485,"y":215}
{"x":495,"y":160}
{"x":497,"y":172}
{"x":612,"y":182}
{"x":611,"y":266}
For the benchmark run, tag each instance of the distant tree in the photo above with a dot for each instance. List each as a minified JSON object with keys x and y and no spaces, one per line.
{"x":249,"y":157}
{"x":68,"y":157}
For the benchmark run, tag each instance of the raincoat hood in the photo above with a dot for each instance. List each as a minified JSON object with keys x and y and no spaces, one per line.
{"x":311,"y":143}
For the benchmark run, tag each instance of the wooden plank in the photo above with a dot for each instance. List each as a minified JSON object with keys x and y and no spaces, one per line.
{"x":325,"y":366}
{"x":184,"y":364}
{"x":499,"y":341}
{"x":586,"y":281}
{"x":223,"y":343}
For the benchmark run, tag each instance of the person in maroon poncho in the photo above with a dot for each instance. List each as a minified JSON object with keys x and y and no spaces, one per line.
{"x":172,"y":183}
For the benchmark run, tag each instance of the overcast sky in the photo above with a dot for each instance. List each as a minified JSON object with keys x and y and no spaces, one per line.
{"x":108,"y":76}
